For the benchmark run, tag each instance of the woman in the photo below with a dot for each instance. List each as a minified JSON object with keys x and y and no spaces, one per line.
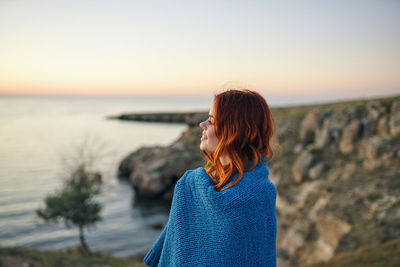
{"x":224,"y":214}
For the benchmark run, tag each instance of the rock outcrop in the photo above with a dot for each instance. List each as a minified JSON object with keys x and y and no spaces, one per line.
{"x":344,"y":163}
{"x":190,"y":118}
{"x":338,"y":176}
{"x":153,"y":171}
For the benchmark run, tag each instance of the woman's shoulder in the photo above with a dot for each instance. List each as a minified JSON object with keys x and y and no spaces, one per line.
{"x":255,"y":180}
{"x":254,"y":186}
{"x":259,"y":178}
{"x":193,"y":176}
{"x":193,"y":173}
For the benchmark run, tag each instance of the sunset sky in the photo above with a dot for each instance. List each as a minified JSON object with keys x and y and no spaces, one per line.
{"x":283,"y":48}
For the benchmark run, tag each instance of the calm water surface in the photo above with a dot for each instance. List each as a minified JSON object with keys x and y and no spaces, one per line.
{"x":37,"y":132}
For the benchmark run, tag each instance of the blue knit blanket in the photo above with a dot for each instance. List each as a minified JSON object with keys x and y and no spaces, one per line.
{"x":235,"y":227}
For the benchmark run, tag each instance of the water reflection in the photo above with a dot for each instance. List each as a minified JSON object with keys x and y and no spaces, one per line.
{"x":149,"y":207}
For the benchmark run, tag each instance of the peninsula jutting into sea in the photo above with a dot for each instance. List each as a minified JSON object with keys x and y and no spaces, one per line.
{"x":336,"y":169}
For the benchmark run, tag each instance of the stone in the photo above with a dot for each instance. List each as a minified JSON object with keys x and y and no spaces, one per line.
{"x":395,"y":119}
{"x":298,"y":148}
{"x":294,"y":238}
{"x":382,"y":204}
{"x":190,"y":118}
{"x":374,"y":110}
{"x":319,"y":205}
{"x":322,"y":116}
{"x":153,"y":171}
{"x":305,"y":190}
{"x":376,"y":151}
{"x":351,"y":133}
{"x":383,"y":126}
{"x":301,"y":166}
{"x":316,"y":171}
{"x":308,"y":127}
{"x":330,"y":131}
{"x":323,"y":135}
{"x":369,"y":127}
{"x":284,"y":207}
{"x":313,"y":253}
{"x":330,"y":230}
{"x":348,"y":170}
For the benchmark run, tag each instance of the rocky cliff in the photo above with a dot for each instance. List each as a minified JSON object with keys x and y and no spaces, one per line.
{"x":338,"y":178}
{"x":337,"y":175}
{"x":190,"y":118}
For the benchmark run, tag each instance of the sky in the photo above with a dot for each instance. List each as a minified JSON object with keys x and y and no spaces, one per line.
{"x":331,"y":49}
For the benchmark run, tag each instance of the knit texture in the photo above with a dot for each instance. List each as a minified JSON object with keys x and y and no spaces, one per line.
{"x":235,"y":227}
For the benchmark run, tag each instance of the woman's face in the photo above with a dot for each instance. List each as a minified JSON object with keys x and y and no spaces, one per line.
{"x":209,"y":140}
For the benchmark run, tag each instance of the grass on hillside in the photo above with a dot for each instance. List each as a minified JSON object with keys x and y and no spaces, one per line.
{"x":385,"y":255}
{"x":31,"y":257}
{"x":300,"y":111}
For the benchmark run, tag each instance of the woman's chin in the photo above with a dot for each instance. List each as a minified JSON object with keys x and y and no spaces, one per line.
{"x":202,"y":148}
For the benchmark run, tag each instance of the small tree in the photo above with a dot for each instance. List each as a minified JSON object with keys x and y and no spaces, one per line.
{"x":75,"y":203}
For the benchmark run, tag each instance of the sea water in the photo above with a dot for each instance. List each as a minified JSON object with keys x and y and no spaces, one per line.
{"x":37,"y":137}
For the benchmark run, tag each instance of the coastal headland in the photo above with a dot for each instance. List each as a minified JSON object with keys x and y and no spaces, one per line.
{"x":336,"y":167}
{"x":189,"y":118}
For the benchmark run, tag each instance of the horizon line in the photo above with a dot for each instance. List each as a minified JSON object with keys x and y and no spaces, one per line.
{"x":103,"y":95}
{"x":288,"y":103}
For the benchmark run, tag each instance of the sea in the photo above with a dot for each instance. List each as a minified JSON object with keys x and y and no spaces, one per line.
{"x":40,"y":135}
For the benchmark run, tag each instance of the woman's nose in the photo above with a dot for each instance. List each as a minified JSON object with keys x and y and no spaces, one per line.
{"x":201,"y":124}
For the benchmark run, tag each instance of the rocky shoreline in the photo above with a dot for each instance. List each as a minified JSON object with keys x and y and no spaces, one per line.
{"x":190,"y":118}
{"x":337,"y":175}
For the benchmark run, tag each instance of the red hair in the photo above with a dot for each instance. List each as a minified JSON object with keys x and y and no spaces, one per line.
{"x":244,"y":127}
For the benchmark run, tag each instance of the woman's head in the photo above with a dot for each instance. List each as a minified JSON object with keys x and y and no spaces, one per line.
{"x":238,"y":130}
{"x":209,"y":140}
